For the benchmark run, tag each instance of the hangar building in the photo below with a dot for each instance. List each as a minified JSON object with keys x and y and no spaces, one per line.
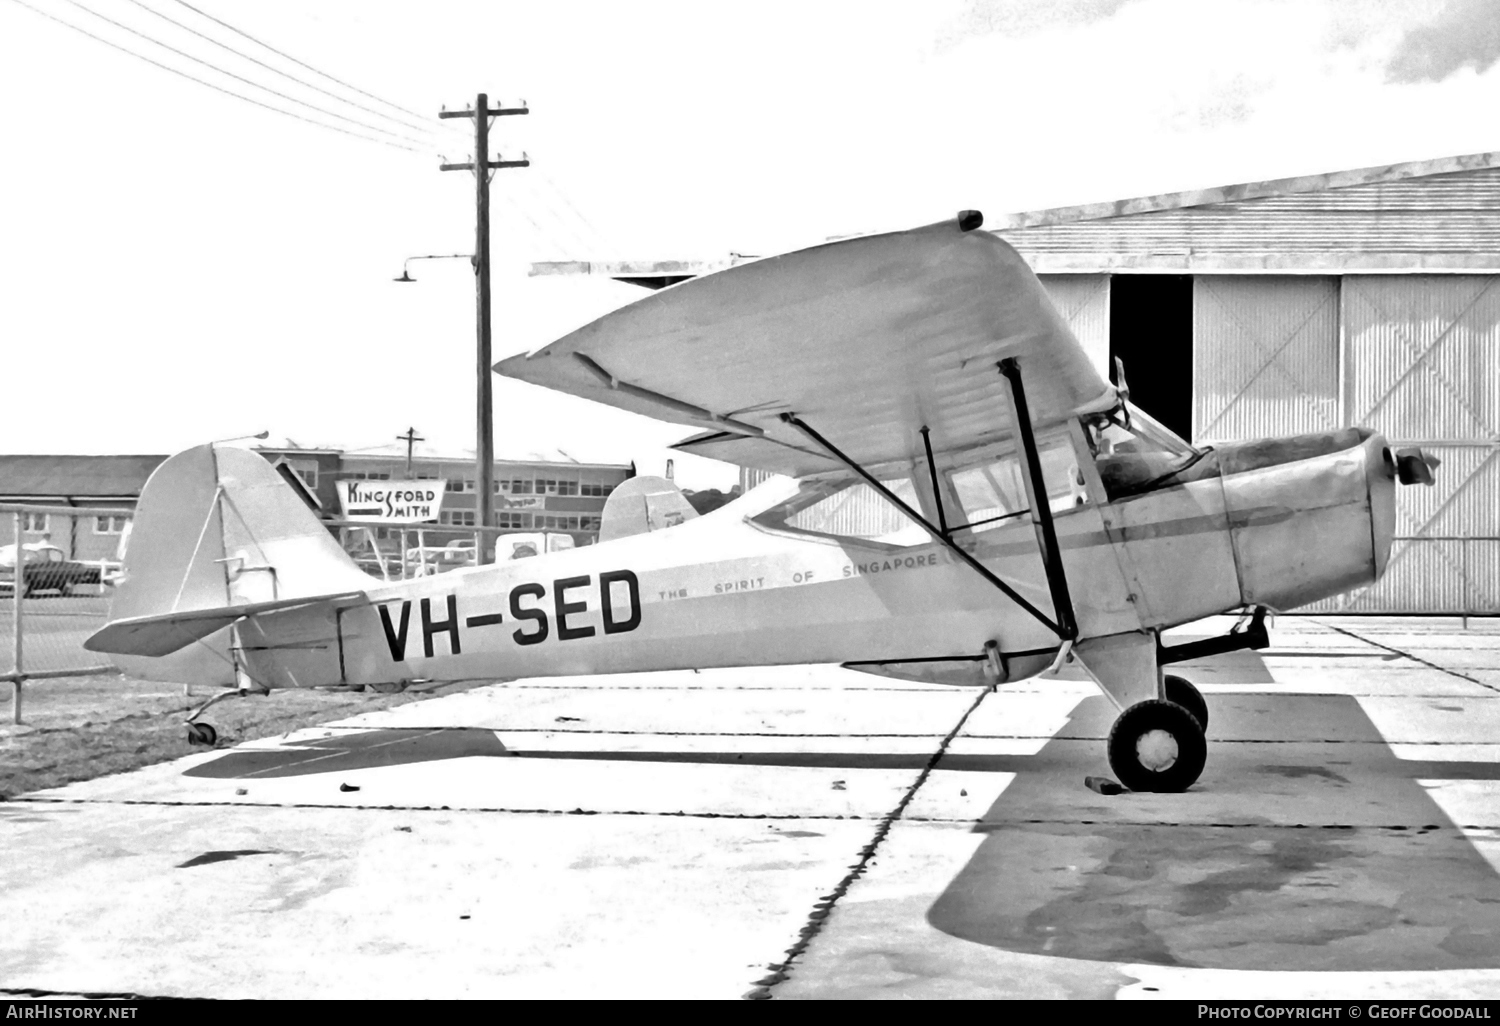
{"x":1367,"y":297}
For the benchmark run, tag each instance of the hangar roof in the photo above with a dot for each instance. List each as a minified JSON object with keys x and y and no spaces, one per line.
{"x":94,"y":477}
{"x":1247,"y":191}
{"x":1440,"y":215}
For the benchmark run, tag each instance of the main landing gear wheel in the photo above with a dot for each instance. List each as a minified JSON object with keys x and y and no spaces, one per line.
{"x":1180,"y":690}
{"x":202,"y":734}
{"x":1157,"y":746}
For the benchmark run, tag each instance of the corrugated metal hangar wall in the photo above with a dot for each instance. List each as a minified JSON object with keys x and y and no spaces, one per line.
{"x":1366,"y":298}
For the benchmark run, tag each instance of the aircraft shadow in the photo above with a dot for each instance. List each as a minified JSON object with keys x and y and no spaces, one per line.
{"x":1324,"y":855}
{"x":1307,"y":845}
{"x":342,"y":752}
{"x":404,"y":746}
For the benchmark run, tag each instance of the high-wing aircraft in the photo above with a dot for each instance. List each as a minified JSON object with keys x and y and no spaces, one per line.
{"x":962,"y":498}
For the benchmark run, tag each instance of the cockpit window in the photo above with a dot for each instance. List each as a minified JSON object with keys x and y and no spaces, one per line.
{"x":994,"y":492}
{"x":1135,"y":453}
{"x":846,"y":507}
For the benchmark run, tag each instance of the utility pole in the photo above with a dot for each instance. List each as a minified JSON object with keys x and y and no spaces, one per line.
{"x":410,"y":438}
{"x":482,"y":166}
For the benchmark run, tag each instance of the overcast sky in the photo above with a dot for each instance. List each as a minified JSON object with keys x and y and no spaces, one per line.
{"x":178,"y":265}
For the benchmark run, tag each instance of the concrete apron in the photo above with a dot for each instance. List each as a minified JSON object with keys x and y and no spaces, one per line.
{"x":675,"y":834}
{"x":1341,"y":843}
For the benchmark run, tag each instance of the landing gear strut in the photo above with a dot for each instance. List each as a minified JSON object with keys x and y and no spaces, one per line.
{"x":204,"y":733}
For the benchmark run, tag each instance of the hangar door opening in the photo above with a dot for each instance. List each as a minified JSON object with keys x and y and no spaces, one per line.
{"x":1151,"y":332}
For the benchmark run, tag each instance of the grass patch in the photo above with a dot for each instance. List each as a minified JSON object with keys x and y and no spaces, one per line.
{"x":77,"y":728}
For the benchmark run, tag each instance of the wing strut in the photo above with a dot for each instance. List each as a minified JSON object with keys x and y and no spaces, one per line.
{"x":1041,"y":509}
{"x":1064,"y":633}
{"x":937,"y":491}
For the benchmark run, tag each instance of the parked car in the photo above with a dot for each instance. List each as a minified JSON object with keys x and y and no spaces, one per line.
{"x":44,"y":567}
{"x":512,"y":545}
{"x":521,"y":544}
{"x":438,"y":560}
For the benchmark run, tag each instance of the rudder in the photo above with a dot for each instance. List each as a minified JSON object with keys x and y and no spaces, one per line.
{"x":215,"y":529}
{"x":218,"y":527}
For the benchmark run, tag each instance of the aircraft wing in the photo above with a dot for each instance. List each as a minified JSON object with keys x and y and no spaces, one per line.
{"x":867,"y":340}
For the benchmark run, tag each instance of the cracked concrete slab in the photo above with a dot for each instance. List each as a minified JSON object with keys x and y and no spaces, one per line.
{"x":678,"y":834}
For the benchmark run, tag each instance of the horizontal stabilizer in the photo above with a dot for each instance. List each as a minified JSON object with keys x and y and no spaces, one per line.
{"x":165,"y":633}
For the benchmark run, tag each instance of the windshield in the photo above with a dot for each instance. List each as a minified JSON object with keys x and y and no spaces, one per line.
{"x":1136,"y":453}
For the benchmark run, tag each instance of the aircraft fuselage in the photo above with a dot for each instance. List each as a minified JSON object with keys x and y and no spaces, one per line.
{"x":1280,"y":525}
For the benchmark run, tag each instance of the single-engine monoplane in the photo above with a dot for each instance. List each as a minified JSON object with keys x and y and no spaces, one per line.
{"x":960,"y":497}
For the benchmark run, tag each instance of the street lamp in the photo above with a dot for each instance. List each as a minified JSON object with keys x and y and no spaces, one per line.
{"x":484,"y":453}
{"x":235,"y":438}
{"x":405,"y":266}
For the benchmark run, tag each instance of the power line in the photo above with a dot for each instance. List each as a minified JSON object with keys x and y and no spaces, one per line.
{"x":242,"y":78}
{"x":557,"y":219}
{"x":541,"y":232}
{"x":218,"y":88}
{"x":588,"y":240}
{"x":591,"y":236}
{"x":599,"y":236}
{"x":284,"y":74}
{"x":294,"y":60}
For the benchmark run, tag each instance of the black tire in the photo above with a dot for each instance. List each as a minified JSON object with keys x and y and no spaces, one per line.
{"x":202,"y":734}
{"x":1174,"y":753}
{"x":1181,"y":691}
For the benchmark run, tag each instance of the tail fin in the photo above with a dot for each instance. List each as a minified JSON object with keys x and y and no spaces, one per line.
{"x":218,"y":534}
{"x":643,"y":504}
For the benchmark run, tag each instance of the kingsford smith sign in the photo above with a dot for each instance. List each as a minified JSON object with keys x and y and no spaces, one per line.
{"x":384,"y":501}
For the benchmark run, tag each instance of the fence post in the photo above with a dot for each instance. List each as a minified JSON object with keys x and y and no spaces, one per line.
{"x":17,"y":589}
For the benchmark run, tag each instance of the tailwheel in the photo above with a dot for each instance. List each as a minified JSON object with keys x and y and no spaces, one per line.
{"x":1157,"y":746}
{"x":1181,"y":691}
{"x":202,"y":734}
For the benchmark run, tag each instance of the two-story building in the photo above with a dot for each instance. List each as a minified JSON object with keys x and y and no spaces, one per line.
{"x":94,"y":482}
{"x":534,"y":491}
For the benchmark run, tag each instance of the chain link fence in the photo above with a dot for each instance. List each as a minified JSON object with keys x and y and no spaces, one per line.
{"x":57,"y":567}
{"x":56,"y":584}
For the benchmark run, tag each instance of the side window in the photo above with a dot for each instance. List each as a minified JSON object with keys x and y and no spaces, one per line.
{"x":849,"y":508}
{"x":990,"y":493}
{"x":994,"y":492}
